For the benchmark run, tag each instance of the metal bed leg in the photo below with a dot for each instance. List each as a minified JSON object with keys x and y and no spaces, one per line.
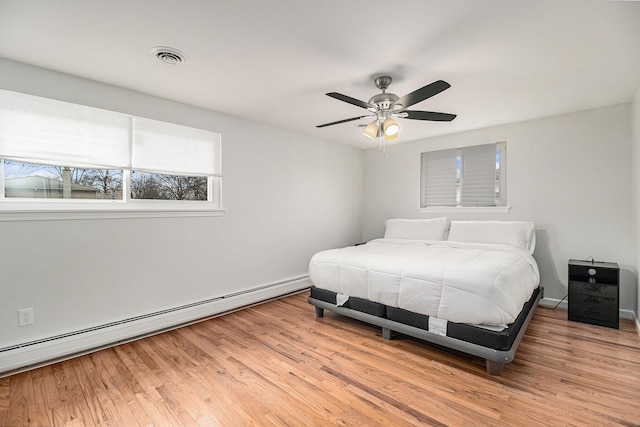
{"x":494,"y":368}
{"x":387,"y":333}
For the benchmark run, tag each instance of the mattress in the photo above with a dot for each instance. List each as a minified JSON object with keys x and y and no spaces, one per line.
{"x":471,"y":283}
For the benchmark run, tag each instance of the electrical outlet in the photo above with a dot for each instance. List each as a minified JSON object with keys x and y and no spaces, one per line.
{"x":25,"y":317}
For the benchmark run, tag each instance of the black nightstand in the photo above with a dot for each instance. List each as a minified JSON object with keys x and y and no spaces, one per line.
{"x":594,"y":292}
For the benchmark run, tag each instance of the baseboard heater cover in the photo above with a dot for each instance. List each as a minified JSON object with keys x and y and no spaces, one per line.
{"x":29,"y":355}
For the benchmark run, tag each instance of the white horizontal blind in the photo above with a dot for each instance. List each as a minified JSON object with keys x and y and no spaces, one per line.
{"x":172,"y":149}
{"x":439,"y":178}
{"x":479,"y":175}
{"x":41,"y":130}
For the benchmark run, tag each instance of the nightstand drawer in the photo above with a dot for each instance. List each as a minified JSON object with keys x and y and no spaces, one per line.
{"x":596,"y":289}
{"x":594,"y":308}
{"x":594,"y":273}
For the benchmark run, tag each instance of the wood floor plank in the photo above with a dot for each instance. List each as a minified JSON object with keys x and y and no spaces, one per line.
{"x":102,"y":394}
{"x":76,"y":408}
{"x":265,"y":380}
{"x":19,"y":388}
{"x":276,"y":364}
{"x":290,"y":391}
{"x":4,"y":401}
{"x":176,"y":382}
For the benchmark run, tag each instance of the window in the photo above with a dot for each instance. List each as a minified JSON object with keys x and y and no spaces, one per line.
{"x":37,"y":181}
{"x":60,"y":156}
{"x":464,"y":177}
{"x":156,"y":186}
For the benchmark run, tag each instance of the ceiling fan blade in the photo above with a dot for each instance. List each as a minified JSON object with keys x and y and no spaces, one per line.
{"x":423,"y":93}
{"x":428,"y":115}
{"x":342,"y":121}
{"x":351,"y":100}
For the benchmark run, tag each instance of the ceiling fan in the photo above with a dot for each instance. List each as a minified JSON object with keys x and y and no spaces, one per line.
{"x":385,"y":106}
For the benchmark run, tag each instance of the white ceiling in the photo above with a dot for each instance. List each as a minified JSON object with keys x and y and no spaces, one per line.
{"x":272,"y":61}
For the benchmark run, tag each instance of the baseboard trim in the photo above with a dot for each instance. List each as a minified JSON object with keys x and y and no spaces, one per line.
{"x":563,"y":304}
{"x":26,"y":356}
{"x":628,"y":314}
{"x":554,"y":303}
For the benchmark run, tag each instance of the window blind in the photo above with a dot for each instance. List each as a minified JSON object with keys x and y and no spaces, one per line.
{"x":172,"y":149}
{"x":46,"y":131}
{"x":479,"y":175}
{"x":41,"y":130}
{"x":439,"y":178}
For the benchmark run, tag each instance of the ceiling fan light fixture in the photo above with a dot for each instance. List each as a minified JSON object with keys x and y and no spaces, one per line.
{"x":390,"y":127}
{"x":390,"y":137}
{"x":371,"y":130}
{"x":386,"y":105}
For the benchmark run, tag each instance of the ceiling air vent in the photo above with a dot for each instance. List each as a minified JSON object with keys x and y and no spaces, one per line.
{"x":169,"y":55}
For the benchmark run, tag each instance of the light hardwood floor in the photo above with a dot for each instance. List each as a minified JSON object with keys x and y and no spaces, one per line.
{"x":277,"y":364}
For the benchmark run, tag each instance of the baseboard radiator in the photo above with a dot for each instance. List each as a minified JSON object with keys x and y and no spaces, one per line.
{"x":29,"y":355}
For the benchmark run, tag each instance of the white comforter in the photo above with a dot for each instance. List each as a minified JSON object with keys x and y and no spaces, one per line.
{"x":459,"y":282}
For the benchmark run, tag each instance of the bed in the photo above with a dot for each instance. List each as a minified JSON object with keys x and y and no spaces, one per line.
{"x":471,"y":286}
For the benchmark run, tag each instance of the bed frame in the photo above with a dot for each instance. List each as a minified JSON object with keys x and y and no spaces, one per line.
{"x":496,"y":347}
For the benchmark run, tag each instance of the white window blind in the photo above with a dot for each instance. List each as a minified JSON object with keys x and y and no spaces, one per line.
{"x":479,"y":175}
{"x":472,"y":176}
{"x":439,"y":178}
{"x":41,"y":130}
{"x":172,"y":149}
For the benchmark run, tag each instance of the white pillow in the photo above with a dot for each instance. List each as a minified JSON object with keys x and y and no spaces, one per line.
{"x":520,"y":234}
{"x":418,"y":229}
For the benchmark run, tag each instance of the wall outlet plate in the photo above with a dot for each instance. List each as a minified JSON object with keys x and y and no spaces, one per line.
{"x":25,"y":316}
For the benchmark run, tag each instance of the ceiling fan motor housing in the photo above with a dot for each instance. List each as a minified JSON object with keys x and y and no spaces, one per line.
{"x":383,"y":101}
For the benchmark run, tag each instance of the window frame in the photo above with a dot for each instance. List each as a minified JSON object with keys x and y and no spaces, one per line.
{"x":19,"y":208}
{"x":13,"y":209}
{"x":501,"y":207}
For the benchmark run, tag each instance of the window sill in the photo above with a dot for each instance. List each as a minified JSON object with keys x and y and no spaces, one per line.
{"x":39,"y":211}
{"x":466,"y":209}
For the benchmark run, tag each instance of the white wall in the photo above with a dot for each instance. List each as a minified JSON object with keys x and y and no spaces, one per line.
{"x":635,"y":135}
{"x":571,"y":174}
{"x":287,"y":196}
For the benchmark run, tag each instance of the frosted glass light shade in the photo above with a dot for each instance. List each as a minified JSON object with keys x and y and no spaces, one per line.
{"x":390,"y":127}
{"x":371,"y":131}
{"x":390,"y":137}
